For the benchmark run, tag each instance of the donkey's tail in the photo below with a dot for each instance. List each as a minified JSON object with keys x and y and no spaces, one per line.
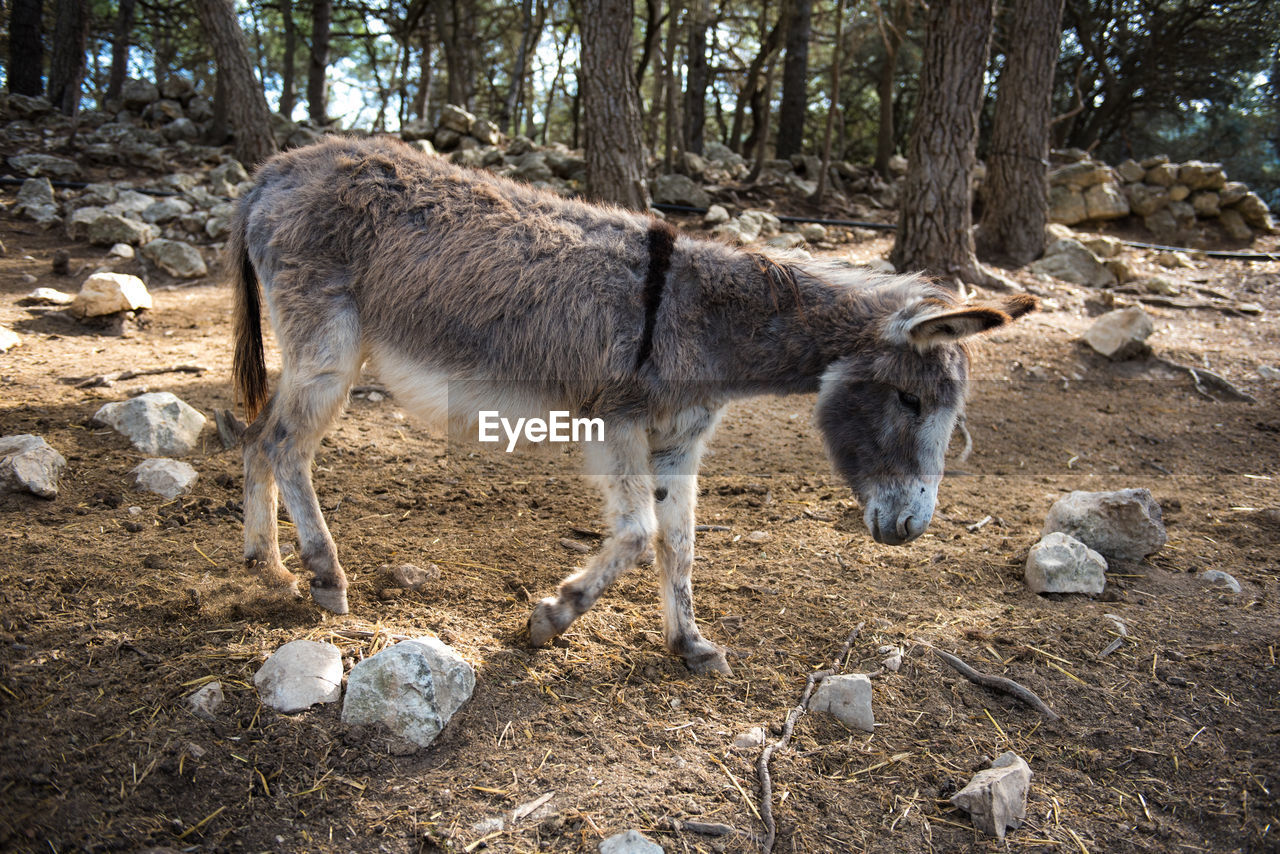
{"x":249,"y":367}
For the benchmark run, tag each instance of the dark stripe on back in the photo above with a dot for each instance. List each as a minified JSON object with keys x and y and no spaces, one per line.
{"x":662,"y":242}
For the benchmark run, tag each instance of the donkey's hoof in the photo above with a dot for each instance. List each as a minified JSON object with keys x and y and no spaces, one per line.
{"x":273,"y":574}
{"x":712,"y":661}
{"x":330,"y":598}
{"x":547,"y":622}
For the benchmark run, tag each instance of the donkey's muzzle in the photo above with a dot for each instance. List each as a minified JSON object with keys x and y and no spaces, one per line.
{"x":904,"y":529}
{"x":895,"y":519}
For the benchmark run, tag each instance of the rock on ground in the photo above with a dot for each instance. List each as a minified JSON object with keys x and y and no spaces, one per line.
{"x":1125,"y":525}
{"x":629,"y":842}
{"x":412,"y":577}
{"x":1062,"y":564}
{"x":1070,"y":261}
{"x":300,"y":674}
{"x":1217,"y":576}
{"x":996,"y":798}
{"x":679,"y":190}
{"x":29,"y":464}
{"x":156,"y":423}
{"x":1121,"y":334}
{"x":178,"y":259}
{"x":412,"y":688}
{"x":8,"y":339}
{"x":166,"y":478}
{"x":108,"y":293}
{"x":206,"y":701}
{"x":846,"y":697}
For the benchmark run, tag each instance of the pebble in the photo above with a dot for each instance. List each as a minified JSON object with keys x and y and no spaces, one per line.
{"x":410,"y":576}
{"x":750,"y":738}
{"x":1217,"y":576}
{"x":629,"y":842}
{"x":846,"y":697}
{"x":206,"y":701}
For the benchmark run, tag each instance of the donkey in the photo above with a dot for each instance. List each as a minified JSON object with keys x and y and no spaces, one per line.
{"x":370,"y":251}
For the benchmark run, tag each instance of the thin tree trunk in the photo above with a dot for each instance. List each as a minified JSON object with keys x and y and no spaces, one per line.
{"x":669,"y":75}
{"x":217,"y":133}
{"x":318,"y":66}
{"x":834,"y":107}
{"x":246,"y":105}
{"x":760,"y":117}
{"x":510,"y":117}
{"x":26,"y":48}
{"x":795,"y":82}
{"x":555,"y":81}
{"x":695,"y":98}
{"x":119,"y":49}
{"x":892,"y":32}
{"x":1017,"y":184}
{"x":935,"y":223}
{"x":611,"y":115}
{"x":751,"y":85}
{"x":66,"y":67}
{"x":423,"y":102}
{"x":288,"y":89}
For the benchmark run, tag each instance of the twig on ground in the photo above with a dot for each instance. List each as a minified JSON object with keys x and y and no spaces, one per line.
{"x":998,"y":683}
{"x":978,"y":525}
{"x":762,"y":764}
{"x":1207,"y":382}
{"x":98,"y":380}
{"x":703,"y":529}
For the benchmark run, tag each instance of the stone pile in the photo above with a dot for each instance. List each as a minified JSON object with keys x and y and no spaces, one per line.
{"x":1179,"y":203}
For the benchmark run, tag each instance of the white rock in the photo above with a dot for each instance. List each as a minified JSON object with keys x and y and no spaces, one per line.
{"x":412,"y":688}
{"x":1062,"y":564}
{"x":1126,"y":524}
{"x":1121,"y":334}
{"x":629,"y":842}
{"x":847,"y":697}
{"x":108,"y":293}
{"x":29,"y":464}
{"x":1070,"y":261}
{"x":715,"y":215}
{"x":413,"y":577}
{"x":300,"y":674}
{"x":122,"y":250}
{"x":165,"y":477}
{"x":206,"y":701}
{"x":1217,"y":576}
{"x":750,"y":738}
{"x":48,"y":296}
{"x":758,"y":537}
{"x":156,"y":423}
{"x":996,"y":799}
{"x":813,"y":232}
{"x":8,"y":339}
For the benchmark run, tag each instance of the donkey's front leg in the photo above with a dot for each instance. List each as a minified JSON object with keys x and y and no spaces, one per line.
{"x":677,"y":453}
{"x":623,"y":463}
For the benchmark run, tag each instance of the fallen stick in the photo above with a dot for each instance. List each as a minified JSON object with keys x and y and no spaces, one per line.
{"x":998,"y":683}
{"x":762,"y":764}
{"x":120,"y":376}
{"x":1207,"y":381}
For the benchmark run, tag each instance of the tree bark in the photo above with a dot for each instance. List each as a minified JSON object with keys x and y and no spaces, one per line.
{"x":66,"y":66}
{"x":288,"y":89}
{"x":120,"y":49}
{"x":510,"y":117}
{"x":611,"y":116}
{"x":246,"y":105}
{"x":669,"y":98}
{"x":695,"y":98}
{"x":26,"y":48}
{"x":1016,"y":190}
{"x":795,"y":82}
{"x":893,"y":23}
{"x":317,"y":68}
{"x":751,"y":84}
{"x":935,"y":223}
{"x":422,"y":101}
{"x":834,"y":107}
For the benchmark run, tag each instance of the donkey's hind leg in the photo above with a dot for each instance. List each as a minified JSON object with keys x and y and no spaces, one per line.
{"x":676,"y":454}
{"x":623,"y":463}
{"x":261,"y":533}
{"x":322,"y":359}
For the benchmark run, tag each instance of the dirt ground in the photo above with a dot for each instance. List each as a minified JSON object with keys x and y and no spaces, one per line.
{"x":112,"y":615}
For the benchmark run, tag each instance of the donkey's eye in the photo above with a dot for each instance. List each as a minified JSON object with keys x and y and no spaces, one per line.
{"x":910,"y":401}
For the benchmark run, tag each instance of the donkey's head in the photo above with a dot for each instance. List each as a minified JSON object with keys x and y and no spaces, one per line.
{"x":886,"y":409}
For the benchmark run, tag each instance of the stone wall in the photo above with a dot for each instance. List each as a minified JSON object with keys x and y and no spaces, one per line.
{"x":1189,"y":203}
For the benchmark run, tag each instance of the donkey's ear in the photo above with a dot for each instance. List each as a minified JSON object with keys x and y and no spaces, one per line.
{"x":1017,"y":306}
{"x":929,"y":330}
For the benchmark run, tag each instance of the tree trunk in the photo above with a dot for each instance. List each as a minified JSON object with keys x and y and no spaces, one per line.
{"x":751,"y":83}
{"x":422,"y":103}
{"x":288,"y":89}
{"x":1017,"y":186}
{"x":935,"y":223}
{"x":510,"y":116}
{"x":120,"y":49}
{"x":246,"y":105}
{"x":760,"y":117}
{"x":317,"y":90}
{"x":695,"y":97}
{"x":217,"y":132}
{"x":795,"y":82}
{"x":66,"y":66}
{"x":834,"y":107}
{"x":611,"y":116}
{"x":893,"y":29}
{"x":669,"y":76}
{"x":26,"y":48}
